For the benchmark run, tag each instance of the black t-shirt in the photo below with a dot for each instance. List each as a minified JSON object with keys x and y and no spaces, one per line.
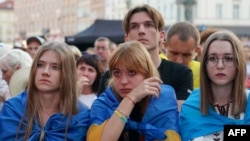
{"x":176,"y":75}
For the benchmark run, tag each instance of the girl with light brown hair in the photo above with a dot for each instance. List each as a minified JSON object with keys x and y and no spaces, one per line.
{"x":49,"y":109}
{"x":222,"y":98}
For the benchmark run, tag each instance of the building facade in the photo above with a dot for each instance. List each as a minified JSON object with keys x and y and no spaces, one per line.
{"x":6,"y":22}
{"x":60,"y":18}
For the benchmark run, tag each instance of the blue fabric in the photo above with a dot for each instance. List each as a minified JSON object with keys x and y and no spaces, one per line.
{"x":193,"y":124}
{"x":12,"y":113}
{"x":161,"y":114}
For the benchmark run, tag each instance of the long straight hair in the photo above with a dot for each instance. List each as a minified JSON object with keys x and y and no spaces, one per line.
{"x":238,"y":89}
{"x":68,"y":98}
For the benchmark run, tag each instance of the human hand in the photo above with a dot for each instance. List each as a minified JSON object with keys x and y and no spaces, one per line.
{"x":81,"y":83}
{"x":149,"y":86}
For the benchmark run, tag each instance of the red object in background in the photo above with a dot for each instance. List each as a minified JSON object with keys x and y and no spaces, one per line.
{"x":248,"y":83}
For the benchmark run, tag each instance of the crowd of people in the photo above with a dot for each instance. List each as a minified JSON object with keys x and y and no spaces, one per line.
{"x":143,"y":89}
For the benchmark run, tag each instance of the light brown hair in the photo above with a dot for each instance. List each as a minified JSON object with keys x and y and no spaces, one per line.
{"x":68,"y":96}
{"x":206,"y":33}
{"x":238,"y":90}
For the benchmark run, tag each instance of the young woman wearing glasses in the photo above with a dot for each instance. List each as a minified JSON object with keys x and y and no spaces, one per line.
{"x":222,"y":97}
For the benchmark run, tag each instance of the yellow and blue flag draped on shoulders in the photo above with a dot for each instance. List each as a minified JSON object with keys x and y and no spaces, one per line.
{"x":55,"y":128}
{"x":159,"y":122}
{"x":193,"y":124}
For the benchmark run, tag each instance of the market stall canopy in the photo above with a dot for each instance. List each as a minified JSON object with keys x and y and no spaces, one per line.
{"x":111,"y":29}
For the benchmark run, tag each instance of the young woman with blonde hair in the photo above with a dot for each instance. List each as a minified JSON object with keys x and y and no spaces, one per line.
{"x":136,"y":106}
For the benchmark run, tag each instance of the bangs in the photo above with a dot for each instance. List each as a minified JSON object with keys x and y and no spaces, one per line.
{"x":131,"y":62}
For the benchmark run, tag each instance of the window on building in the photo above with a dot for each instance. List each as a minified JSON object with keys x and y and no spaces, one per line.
{"x":219,"y":11}
{"x":236,"y":11}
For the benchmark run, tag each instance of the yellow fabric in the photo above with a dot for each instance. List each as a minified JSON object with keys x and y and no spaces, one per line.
{"x":163,"y":56}
{"x":172,"y":136}
{"x":95,"y":132}
{"x":195,"y":67}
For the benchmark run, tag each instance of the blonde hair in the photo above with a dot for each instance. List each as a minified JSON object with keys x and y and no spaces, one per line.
{"x":238,"y":90}
{"x":68,"y":96}
{"x":135,"y":56}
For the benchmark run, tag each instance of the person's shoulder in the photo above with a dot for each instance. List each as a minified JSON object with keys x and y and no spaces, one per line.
{"x":107,"y":93}
{"x":194,"y":95}
{"x":167,"y":87}
{"x":196,"y":91}
{"x":167,"y":90}
{"x":15,"y":105}
{"x":18,"y":99}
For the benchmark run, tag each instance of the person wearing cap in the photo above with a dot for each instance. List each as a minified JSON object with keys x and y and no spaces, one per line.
{"x":33,"y":43}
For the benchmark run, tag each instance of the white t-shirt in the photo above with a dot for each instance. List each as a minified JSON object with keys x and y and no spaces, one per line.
{"x":87,"y":99}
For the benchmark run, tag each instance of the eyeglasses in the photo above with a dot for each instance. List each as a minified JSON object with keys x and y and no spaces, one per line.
{"x":228,"y":60}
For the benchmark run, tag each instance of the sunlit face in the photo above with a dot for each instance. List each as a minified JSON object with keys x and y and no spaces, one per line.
{"x":125,"y":80}
{"x":181,"y":52}
{"x":88,"y":71}
{"x":143,"y":29}
{"x":221,"y":74}
{"x":6,"y":75}
{"x":103,"y":50}
{"x":32,"y":47}
{"x":48,"y":72}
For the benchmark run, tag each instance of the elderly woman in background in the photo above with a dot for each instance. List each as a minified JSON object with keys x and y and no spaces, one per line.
{"x":13,"y":61}
{"x":4,"y":89}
